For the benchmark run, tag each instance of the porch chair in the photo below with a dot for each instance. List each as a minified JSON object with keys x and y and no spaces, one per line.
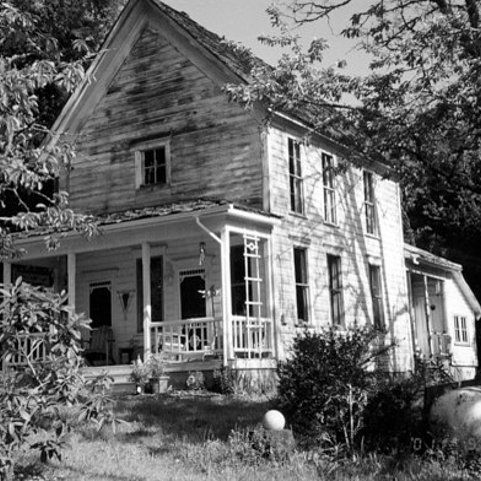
{"x":100,"y":346}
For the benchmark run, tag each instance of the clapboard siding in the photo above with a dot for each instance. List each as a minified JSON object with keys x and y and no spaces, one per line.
{"x":158,"y":93}
{"x":347,"y":239}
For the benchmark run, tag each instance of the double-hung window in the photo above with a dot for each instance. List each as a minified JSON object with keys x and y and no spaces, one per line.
{"x":330,"y":215}
{"x":295,"y":176}
{"x":152,"y":164}
{"x":335,"y":289}
{"x":460,"y":330}
{"x":302,"y":284}
{"x":376,"y":295}
{"x":369,"y":203}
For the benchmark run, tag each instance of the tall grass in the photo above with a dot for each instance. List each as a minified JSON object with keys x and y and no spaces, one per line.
{"x":207,"y":437}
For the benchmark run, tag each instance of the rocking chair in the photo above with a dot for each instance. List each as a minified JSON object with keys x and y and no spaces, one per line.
{"x":99,"y":350}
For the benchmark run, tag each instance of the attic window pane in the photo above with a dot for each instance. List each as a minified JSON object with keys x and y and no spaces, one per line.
{"x":155,"y":166}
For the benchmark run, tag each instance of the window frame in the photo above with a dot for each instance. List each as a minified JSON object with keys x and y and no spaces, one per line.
{"x":329,"y":189}
{"x":301,"y":283}
{"x":140,"y":150}
{"x":369,"y":203}
{"x":461,"y":334}
{"x":296,"y":181}
{"x":378,"y":298}
{"x":336,"y":293}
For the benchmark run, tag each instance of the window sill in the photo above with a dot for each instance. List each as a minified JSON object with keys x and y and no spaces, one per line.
{"x":302,"y":325}
{"x":331,"y":224}
{"x":297,"y":214}
{"x":462,"y":344}
{"x":153,"y":187}
{"x":372,"y":236}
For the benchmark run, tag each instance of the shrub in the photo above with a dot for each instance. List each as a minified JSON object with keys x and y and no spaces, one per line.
{"x":324,"y":386}
{"x":33,"y":394}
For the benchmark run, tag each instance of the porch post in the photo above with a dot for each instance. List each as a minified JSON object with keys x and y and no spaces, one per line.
{"x":412,"y":315}
{"x":228,"y":352}
{"x":7,"y":273}
{"x":71,"y":273}
{"x":427,"y":308}
{"x":147,"y":297}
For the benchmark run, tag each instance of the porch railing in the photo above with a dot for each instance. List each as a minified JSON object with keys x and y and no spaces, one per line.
{"x":188,"y":337}
{"x":441,"y":343}
{"x":252,"y":337}
{"x":30,"y":348}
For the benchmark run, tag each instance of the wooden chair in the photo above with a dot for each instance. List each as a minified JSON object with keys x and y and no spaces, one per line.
{"x":100,"y":346}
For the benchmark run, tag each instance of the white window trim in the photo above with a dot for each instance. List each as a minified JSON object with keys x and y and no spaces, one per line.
{"x":139,"y":150}
{"x":299,"y":178}
{"x":372,"y":203}
{"x":461,"y":342}
{"x":332,"y":189}
{"x":299,"y":322}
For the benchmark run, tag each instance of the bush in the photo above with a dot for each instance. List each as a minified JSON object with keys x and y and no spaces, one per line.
{"x":324,"y":386}
{"x":34,"y":394}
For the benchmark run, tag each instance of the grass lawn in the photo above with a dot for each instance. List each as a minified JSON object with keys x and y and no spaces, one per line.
{"x":189,"y":437}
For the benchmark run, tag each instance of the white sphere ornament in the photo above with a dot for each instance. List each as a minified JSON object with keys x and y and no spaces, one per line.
{"x":274,"y":420}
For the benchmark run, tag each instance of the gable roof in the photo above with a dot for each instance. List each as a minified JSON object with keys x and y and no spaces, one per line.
{"x":238,"y":58}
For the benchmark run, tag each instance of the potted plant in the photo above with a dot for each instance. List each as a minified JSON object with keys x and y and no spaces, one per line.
{"x":140,"y":375}
{"x":159,"y":383}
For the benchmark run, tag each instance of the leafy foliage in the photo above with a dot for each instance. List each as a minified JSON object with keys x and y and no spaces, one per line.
{"x":40,"y":335}
{"x":324,"y":386}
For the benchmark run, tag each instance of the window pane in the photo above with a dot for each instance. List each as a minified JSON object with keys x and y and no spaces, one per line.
{"x":302,"y":288}
{"x":160,"y":175}
{"x":148,"y":158}
{"x":335,"y":288}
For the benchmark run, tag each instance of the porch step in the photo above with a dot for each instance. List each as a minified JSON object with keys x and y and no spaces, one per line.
{"x":178,"y":372}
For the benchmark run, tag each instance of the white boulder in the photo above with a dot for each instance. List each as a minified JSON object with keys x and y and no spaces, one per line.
{"x":274,"y":420}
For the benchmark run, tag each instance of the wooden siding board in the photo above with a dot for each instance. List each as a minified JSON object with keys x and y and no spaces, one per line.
{"x":215,"y":146}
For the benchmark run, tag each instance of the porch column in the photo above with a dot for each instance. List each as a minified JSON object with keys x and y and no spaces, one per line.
{"x":147,"y":297}
{"x":7,"y":273}
{"x":72,"y":274}
{"x":270,"y":311}
{"x":427,"y":308}
{"x":228,"y":352}
{"x":412,"y":315}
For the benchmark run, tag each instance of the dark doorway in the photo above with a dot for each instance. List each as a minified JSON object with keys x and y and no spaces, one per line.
{"x":100,"y":304}
{"x":192,"y":302}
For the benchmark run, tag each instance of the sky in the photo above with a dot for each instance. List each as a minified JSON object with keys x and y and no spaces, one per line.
{"x":244,"y":20}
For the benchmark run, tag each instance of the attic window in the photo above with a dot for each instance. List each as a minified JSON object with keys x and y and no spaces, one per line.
{"x":152,"y":164}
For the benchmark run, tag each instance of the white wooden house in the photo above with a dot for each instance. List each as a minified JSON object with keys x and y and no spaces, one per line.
{"x":196,"y":195}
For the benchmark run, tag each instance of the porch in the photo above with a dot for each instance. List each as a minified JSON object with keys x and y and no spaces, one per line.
{"x":428,"y":313}
{"x":194,"y":286}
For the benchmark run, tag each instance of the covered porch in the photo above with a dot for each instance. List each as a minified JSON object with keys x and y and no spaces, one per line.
{"x":192,"y":283}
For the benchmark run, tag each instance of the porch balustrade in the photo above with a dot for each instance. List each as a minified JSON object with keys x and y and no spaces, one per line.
{"x":188,"y":337}
{"x":31,"y":348}
{"x":252,"y":337}
{"x":441,"y":343}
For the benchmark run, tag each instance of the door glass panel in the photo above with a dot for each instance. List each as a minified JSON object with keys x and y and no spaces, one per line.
{"x":100,"y":304}
{"x":192,"y":300}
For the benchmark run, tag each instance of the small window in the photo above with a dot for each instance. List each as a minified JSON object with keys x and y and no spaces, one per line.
{"x":302,"y":284}
{"x":152,"y":165}
{"x":460,"y":330}
{"x":335,"y":289}
{"x":376,"y":295}
{"x":295,"y":177}
{"x":330,"y":214}
{"x":369,"y":206}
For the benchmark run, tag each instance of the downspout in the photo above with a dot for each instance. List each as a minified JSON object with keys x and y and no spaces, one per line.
{"x":208,"y":231}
